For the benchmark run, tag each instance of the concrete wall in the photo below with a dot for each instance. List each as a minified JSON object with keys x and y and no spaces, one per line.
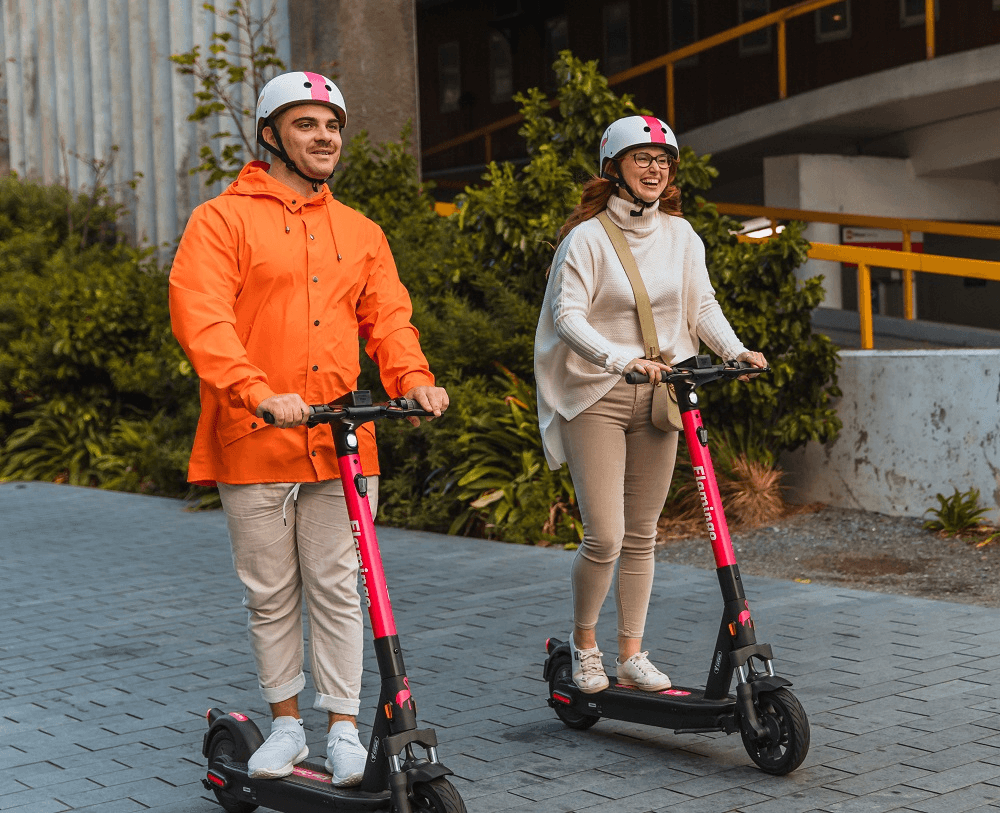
{"x":916,"y":423}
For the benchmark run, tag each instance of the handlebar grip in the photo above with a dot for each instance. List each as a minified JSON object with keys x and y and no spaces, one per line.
{"x":268,"y":417}
{"x":632,"y":377}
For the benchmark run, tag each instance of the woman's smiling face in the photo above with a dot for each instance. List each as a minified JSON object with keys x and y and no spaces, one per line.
{"x":647,"y":182}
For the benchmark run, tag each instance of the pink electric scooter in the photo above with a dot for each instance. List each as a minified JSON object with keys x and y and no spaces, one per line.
{"x":770,"y":719}
{"x":396,"y":778}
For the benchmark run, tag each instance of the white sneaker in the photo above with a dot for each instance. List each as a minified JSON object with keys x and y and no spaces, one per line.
{"x":345,"y":755}
{"x":639,"y":673}
{"x":588,"y":669}
{"x":282,"y":750}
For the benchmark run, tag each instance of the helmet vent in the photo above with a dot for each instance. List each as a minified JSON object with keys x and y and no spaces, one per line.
{"x":329,"y":89}
{"x":307,"y":84}
{"x":646,"y":129}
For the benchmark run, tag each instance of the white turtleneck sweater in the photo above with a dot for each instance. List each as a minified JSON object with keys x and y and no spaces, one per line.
{"x":588,"y":329}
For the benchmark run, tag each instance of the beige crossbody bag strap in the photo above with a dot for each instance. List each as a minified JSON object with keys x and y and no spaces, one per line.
{"x":649,"y":338}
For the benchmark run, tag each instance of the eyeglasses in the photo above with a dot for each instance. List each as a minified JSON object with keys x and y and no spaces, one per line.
{"x":644,"y":159}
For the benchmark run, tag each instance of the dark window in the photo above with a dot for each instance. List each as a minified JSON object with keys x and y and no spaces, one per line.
{"x":683,"y":23}
{"x":617,"y":38}
{"x":911,"y":12}
{"x":449,"y":76}
{"x":501,"y":69}
{"x":556,"y":40}
{"x":834,"y":22}
{"x":759,"y":42}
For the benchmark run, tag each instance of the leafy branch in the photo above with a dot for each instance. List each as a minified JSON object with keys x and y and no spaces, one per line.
{"x":236,"y":67}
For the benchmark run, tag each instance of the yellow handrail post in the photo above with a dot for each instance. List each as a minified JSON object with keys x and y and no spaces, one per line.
{"x":929,"y":27}
{"x":670,"y":96}
{"x":908,"y":309}
{"x":783,"y":62}
{"x":865,"y":306}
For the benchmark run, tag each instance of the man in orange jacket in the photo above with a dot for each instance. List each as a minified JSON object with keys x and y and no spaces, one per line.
{"x":273,"y":285}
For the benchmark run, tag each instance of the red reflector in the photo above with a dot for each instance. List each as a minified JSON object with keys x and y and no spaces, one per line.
{"x":547,"y":644}
{"x":218,"y":781}
{"x":562,"y":698}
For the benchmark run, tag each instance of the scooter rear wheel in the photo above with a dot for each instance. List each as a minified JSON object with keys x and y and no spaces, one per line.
{"x":786,"y":744}
{"x":562,"y":675}
{"x":437,"y":796}
{"x":223,"y":744}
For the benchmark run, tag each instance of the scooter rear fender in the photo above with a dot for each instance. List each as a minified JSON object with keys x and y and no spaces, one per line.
{"x":243,"y":729}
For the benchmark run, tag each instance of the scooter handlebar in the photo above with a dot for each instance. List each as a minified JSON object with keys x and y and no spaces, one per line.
{"x":329,"y":413}
{"x":700,"y":375}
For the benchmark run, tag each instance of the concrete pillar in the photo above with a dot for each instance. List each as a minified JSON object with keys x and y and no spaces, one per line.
{"x":369,"y":48}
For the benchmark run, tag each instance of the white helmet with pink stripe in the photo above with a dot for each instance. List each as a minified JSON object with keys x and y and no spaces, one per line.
{"x":635,"y":131}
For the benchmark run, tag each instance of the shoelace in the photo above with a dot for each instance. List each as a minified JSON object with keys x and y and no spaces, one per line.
{"x":641,"y":662}
{"x":590,"y":663}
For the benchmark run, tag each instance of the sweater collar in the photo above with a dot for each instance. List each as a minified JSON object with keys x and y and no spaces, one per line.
{"x":620,"y":212}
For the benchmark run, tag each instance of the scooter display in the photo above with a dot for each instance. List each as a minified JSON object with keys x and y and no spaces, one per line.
{"x":769,"y":718}
{"x":397,"y":777}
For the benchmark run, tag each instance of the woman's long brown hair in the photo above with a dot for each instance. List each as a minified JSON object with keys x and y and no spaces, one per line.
{"x":598,"y":191}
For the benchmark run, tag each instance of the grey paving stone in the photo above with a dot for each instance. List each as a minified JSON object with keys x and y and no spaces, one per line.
{"x":104,"y":681}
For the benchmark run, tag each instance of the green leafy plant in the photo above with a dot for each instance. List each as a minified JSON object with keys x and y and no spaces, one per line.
{"x":957,"y":513}
{"x":507,"y":488}
{"x":239,"y":62}
{"x":86,"y":349}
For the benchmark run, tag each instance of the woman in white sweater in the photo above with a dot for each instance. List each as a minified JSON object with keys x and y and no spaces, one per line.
{"x":588,"y":337}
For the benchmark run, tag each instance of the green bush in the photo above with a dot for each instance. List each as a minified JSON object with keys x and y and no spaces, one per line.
{"x":955,"y":514}
{"x":93,"y":388}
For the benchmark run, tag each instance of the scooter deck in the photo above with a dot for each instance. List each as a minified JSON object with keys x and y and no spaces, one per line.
{"x":680,"y":708}
{"x":309,"y":787}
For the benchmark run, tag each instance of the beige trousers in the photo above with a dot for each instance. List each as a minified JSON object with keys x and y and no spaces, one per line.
{"x":313,"y":555}
{"x":621,"y":467}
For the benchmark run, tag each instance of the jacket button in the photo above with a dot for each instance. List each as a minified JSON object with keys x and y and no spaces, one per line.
{"x":316,"y":323}
{"x":311,"y":237}
{"x":315,"y":368}
{"x":313,"y":454}
{"x":315,"y":279}
{"x":253,"y":425}
{"x":293,"y":201}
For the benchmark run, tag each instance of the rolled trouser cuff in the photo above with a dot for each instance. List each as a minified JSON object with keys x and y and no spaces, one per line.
{"x":337,"y":705}
{"x":276,"y":694}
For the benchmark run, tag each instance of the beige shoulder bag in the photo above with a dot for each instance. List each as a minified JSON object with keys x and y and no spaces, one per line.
{"x":665,"y":415}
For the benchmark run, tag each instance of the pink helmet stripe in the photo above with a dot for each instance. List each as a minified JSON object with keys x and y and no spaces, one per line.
{"x":656,"y":134}
{"x":318,"y":89}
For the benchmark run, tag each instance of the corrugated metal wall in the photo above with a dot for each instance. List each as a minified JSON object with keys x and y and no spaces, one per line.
{"x":85,"y":76}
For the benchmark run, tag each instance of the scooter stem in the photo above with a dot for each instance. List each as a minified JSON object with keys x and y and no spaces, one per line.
{"x":696,"y":437}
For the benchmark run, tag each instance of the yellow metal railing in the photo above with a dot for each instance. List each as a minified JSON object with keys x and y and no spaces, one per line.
{"x":906,"y":226}
{"x":667,"y":62}
{"x":867,"y":258}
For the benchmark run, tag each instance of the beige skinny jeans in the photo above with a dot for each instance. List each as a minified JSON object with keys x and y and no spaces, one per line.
{"x":313,"y":555}
{"x":621,"y":467}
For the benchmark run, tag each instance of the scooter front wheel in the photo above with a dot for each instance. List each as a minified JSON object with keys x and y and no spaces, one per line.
{"x":437,"y":796}
{"x":223,"y":744}
{"x":562,"y":675}
{"x":784,"y":746}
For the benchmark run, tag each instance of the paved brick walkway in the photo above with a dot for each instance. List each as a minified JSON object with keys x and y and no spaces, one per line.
{"x":122,"y":624}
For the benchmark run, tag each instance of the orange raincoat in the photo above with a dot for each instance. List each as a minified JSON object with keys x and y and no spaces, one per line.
{"x":269,"y":294}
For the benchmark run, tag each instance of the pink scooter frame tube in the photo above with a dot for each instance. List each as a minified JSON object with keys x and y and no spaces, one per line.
{"x":363,"y":529}
{"x":708,"y":489}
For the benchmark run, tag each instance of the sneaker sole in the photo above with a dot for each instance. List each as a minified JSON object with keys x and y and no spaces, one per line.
{"x":629,"y":685}
{"x":592,"y":689}
{"x":284,"y":770}
{"x":350,"y":781}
